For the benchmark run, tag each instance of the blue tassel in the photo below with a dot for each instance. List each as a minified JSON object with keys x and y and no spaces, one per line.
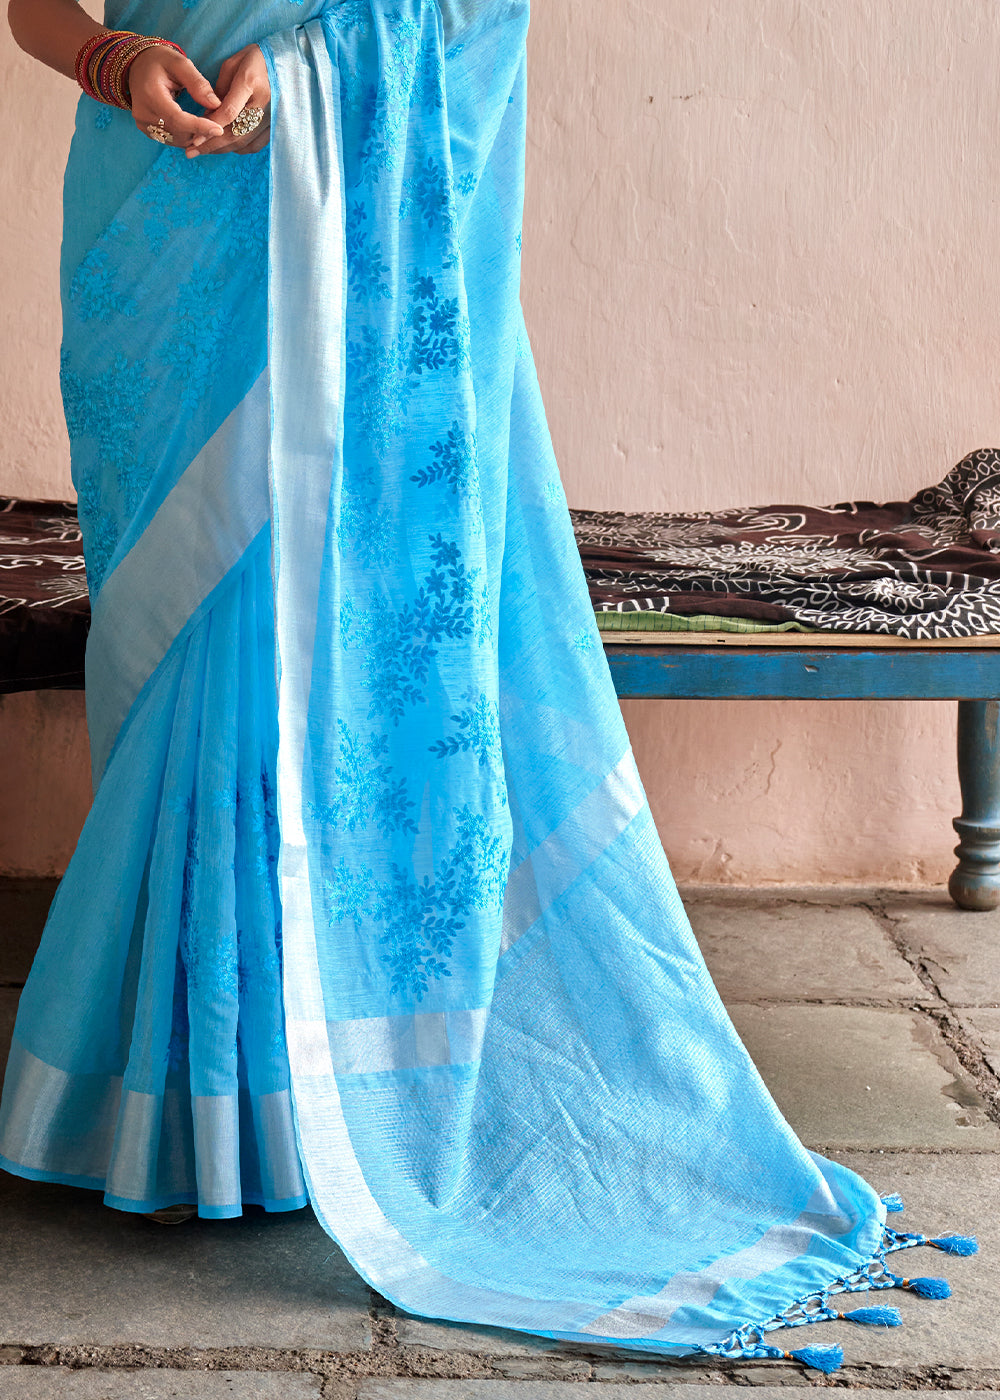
{"x":926,"y":1287}
{"x":893,"y":1202}
{"x":874,"y":1317}
{"x":819,"y":1358}
{"x":956,"y":1244}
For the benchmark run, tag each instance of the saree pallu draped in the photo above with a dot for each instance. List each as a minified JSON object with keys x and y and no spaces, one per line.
{"x":370,"y":909}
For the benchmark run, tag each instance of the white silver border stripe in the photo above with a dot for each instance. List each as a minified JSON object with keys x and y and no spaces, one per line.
{"x":549,"y":870}
{"x":199,"y":533}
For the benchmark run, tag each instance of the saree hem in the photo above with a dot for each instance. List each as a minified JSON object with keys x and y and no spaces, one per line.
{"x":134,"y":1207}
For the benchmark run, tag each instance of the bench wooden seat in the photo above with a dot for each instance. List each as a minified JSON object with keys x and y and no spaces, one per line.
{"x":44,"y":617}
{"x":837,"y":666}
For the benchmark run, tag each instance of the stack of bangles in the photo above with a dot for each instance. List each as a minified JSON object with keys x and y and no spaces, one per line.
{"x":102,"y":64}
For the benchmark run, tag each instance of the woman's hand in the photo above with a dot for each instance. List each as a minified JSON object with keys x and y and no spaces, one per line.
{"x":242,"y":83}
{"x":155,"y":77}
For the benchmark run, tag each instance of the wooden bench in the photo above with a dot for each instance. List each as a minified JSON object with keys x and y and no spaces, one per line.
{"x":43,"y":637}
{"x":838,"y":666}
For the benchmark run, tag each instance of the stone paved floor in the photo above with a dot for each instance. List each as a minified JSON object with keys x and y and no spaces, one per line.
{"x":874,"y":1017}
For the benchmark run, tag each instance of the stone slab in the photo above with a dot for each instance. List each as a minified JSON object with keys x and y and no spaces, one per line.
{"x":460,"y":1337}
{"x":680,"y":1389}
{"x":786,"y":951}
{"x":960,"y":949}
{"x":862,"y":1077}
{"x":24,"y":905}
{"x":983,"y":1024}
{"x":59,"y":1383}
{"x":8,"y":1010}
{"x":944,"y":1194}
{"x":74,"y":1272}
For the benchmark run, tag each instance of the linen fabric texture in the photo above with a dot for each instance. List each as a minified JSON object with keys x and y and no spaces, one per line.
{"x":370,"y":909}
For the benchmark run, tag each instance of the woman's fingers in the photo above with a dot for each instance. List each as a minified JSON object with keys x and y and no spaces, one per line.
{"x":196,"y":84}
{"x":155,"y":78}
{"x":238,"y":96}
{"x":242,"y":83}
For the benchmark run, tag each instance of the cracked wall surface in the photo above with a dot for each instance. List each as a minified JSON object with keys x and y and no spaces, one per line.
{"x":759,"y":266}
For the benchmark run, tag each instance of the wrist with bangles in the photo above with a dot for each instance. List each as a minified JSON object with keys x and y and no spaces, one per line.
{"x":103,"y":62}
{"x":102,"y":67}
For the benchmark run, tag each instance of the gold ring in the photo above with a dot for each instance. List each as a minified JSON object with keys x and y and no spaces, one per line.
{"x":248,"y":120}
{"x":157,"y":133}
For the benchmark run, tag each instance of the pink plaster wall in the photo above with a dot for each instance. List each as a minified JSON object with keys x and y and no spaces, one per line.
{"x":760,"y":265}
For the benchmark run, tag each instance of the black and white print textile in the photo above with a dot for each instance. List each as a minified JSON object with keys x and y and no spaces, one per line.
{"x":925,"y":568}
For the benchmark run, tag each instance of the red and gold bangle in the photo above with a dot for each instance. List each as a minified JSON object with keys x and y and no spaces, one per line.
{"x":103,"y":62}
{"x":83,"y":59}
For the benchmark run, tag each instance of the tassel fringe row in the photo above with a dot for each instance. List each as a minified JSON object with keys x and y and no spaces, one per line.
{"x":747,"y":1342}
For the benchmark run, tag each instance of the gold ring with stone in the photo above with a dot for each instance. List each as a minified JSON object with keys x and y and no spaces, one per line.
{"x":248,"y":120}
{"x":157,"y":133}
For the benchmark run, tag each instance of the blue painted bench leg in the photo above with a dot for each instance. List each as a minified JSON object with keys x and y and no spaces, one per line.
{"x":975,"y":884}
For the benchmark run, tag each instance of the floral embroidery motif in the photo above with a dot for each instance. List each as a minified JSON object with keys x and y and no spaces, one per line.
{"x":103,"y":118}
{"x":441,"y":336}
{"x":423,"y":918}
{"x":553,"y":491}
{"x":366,"y":270}
{"x":455,"y":463}
{"x":381,"y":375}
{"x":208,"y":954}
{"x":478,"y":732}
{"x":106,"y":408}
{"x":431,"y":87}
{"x":400,"y":643}
{"x":197,"y":326}
{"x":349,"y":14}
{"x":584,"y":640}
{"x":367,"y":790}
{"x":385,"y":108}
{"x":378,"y":387}
{"x":365,"y":530}
{"x":349,"y":895}
{"x":187,"y":194}
{"x":101,"y":533}
{"x":97,"y":291}
{"x":427,"y":193}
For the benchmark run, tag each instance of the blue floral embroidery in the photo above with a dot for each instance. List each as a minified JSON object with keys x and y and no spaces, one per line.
{"x":386,"y":108}
{"x":209,"y":955}
{"x":400,"y":642}
{"x":103,"y":118}
{"x":478,"y":732}
{"x":365,"y":530}
{"x":378,"y":387}
{"x":101,"y":533}
{"x":455,"y":463}
{"x":349,"y":14}
{"x":367,"y":790}
{"x":553,"y":491}
{"x":349,"y":895}
{"x":97,"y":291}
{"x":196,"y":327}
{"x":107,"y":407}
{"x":188,"y":193}
{"x":261,"y":825}
{"x":468,"y":183}
{"x":365,"y":267}
{"x":428,"y":193}
{"x":423,"y":918}
{"x":584,"y":640}
{"x":441,"y":337}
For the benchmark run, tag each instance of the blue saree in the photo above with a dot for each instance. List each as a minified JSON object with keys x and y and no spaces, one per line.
{"x":370,"y":911}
